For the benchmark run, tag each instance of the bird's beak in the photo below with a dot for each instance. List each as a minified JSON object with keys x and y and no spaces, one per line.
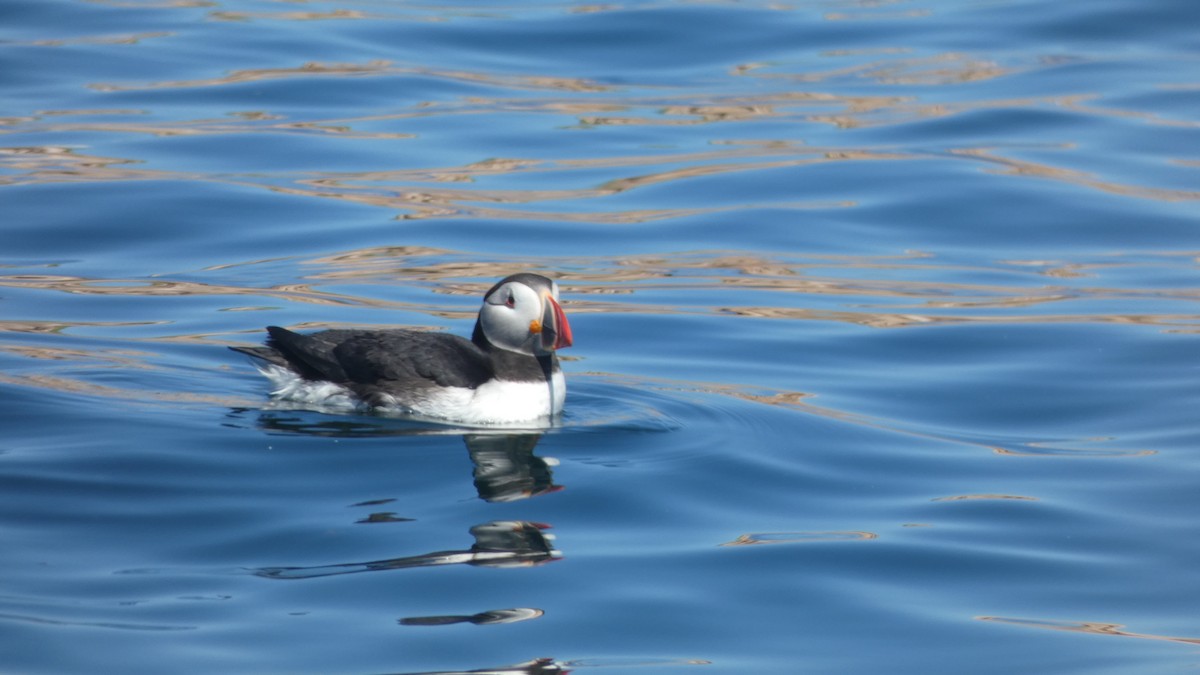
{"x":555,"y":331}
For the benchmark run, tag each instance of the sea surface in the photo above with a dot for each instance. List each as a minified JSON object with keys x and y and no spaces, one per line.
{"x":886,"y":318}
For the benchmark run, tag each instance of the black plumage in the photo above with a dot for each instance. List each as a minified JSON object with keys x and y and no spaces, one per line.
{"x":371,"y":362}
{"x":409,"y":369}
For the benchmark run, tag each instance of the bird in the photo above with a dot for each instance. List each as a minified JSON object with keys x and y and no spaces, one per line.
{"x":508,"y":372}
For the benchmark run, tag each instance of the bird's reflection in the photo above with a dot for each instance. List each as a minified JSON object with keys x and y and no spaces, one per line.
{"x":502,"y":543}
{"x":542,"y":666}
{"x":505,"y":468}
{"x":488,"y":618}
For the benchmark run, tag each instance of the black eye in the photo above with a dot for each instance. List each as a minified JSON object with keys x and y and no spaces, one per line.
{"x":511,"y":301}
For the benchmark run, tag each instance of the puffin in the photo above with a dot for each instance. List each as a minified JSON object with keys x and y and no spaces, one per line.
{"x":508,"y":372}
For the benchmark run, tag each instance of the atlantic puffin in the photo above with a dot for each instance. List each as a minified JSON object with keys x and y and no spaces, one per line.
{"x":507,"y":372}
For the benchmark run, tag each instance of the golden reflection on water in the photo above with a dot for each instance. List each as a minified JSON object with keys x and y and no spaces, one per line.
{"x":73,"y":385}
{"x":53,"y":326}
{"x":802,"y":402}
{"x":876,"y":16}
{"x":123,"y":358}
{"x":163,"y":287}
{"x":1079,"y":448}
{"x":239,"y":122}
{"x":591,"y":103}
{"x":928,"y":302}
{"x":1016,"y":167}
{"x":758,"y":539}
{"x":290,"y":16}
{"x":80,"y":363}
{"x":57,"y":164}
{"x":947,"y":68}
{"x":869,"y":291}
{"x":401,"y":190}
{"x":469,"y":202}
{"x":588,"y":286}
{"x":959,"y":498}
{"x":130,"y":39}
{"x":375,"y":68}
{"x":395,"y":189}
{"x":155,"y":4}
{"x":1090,"y":627}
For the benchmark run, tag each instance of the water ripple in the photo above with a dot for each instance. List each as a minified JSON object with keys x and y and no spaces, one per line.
{"x":760,"y":538}
{"x":116,"y":625}
{"x":1089,"y":627}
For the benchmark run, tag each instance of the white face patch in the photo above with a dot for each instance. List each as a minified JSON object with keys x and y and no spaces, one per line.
{"x":507,"y":315}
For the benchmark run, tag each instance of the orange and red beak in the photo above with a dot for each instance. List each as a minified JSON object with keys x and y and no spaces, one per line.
{"x":556,"y":332}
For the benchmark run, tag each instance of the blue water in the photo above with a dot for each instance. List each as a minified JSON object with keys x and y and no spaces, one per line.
{"x":886,"y":359}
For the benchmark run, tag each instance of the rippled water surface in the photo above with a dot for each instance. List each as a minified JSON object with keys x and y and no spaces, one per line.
{"x":886,"y":335}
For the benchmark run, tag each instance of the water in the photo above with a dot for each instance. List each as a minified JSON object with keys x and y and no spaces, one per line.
{"x":885,"y":317}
